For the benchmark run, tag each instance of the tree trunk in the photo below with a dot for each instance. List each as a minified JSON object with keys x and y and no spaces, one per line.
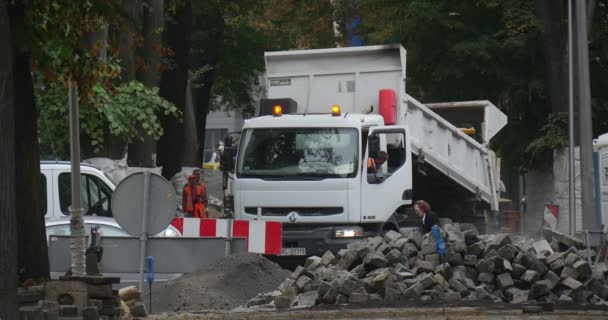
{"x":153,"y":17}
{"x":8,"y":203}
{"x":553,"y":16}
{"x":590,"y":11}
{"x":190,"y":151}
{"x":203,"y":98}
{"x":126,"y":42}
{"x":173,"y":86}
{"x":33,"y":253}
{"x":210,"y":44}
{"x":141,"y":150}
{"x":115,"y":147}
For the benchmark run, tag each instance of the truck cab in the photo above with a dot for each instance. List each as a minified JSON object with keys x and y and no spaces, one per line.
{"x":310,"y":172}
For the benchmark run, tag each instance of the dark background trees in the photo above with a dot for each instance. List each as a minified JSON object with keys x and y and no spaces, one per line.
{"x":33,"y":257}
{"x":510,"y":52}
{"x":173,"y":84}
{"x":135,"y":80}
{"x":8,"y":199}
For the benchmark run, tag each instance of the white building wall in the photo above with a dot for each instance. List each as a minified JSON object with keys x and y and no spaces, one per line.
{"x":220,"y":123}
{"x":552,"y":187}
{"x":561,"y":188}
{"x":539,"y":191}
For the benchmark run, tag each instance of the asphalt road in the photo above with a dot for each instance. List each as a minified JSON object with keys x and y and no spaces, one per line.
{"x":213,"y":183}
{"x":390,"y":313}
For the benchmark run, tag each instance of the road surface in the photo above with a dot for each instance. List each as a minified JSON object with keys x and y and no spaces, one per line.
{"x":391,"y":313}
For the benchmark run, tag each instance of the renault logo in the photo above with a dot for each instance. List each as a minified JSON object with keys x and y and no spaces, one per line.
{"x":292,"y":216}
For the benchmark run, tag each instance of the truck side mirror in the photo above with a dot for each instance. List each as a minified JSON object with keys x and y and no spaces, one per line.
{"x":228,"y":141}
{"x":373,"y":142}
{"x":228,"y":159}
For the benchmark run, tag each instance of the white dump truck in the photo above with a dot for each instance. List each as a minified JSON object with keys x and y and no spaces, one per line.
{"x":313,"y":158}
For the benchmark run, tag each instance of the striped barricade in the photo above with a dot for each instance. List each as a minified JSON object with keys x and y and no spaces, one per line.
{"x":262,"y":236}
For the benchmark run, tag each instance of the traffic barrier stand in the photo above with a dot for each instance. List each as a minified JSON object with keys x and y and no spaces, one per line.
{"x":264,"y":237}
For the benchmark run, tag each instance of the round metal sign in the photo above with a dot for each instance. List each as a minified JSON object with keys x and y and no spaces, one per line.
{"x":128,"y":203}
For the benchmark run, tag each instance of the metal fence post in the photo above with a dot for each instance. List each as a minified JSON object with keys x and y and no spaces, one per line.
{"x":229,"y":239}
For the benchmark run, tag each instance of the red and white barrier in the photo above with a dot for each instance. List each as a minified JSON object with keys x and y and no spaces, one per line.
{"x":262,"y":236}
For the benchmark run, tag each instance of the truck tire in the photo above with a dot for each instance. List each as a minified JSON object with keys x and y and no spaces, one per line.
{"x":391,"y":224}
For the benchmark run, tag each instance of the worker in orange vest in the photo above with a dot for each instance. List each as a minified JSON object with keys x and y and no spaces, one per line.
{"x":374,"y":164}
{"x":201,"y":203}
{"x":193,"y":198}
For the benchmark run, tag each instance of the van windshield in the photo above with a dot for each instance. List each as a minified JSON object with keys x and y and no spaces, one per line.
{"x":298,"y":153}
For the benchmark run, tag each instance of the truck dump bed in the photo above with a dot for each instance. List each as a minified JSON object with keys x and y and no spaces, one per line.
{"x":352,"y":77}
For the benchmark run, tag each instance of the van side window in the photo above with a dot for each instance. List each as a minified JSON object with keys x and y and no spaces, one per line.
{"x":43,"y":193}
{"x":94,"y":194}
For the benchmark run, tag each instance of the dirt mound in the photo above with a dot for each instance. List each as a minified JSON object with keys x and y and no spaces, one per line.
{"x":226,"y":284}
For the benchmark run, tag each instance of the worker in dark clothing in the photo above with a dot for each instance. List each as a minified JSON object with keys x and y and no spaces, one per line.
{"x":427,"y":218}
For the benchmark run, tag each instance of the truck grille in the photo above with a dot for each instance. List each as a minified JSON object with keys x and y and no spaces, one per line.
{"x":305,"y":227}
{"x":301,"y":211}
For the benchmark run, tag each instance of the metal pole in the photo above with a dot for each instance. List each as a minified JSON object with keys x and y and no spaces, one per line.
{"x":229,"y":239}
{"x":597,"y":188}
{"x":585,"y":124}
{"x":144,"y":232}
{"x":588,"y":250}
{"x":571,"y":167}
{"x":77,"y":237}
{"x":521,"y":204}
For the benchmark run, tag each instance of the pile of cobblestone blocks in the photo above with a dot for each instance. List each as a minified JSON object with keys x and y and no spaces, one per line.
{"x":85,"y":298}
{"x":404,"y":268}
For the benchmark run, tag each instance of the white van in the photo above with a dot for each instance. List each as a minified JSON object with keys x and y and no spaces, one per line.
{"x":95,"y":187}
{"x":96,"y":190}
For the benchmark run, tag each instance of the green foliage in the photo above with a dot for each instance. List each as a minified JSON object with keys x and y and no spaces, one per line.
{"x":467,"y":50}
{"x":295,"y":24}
{"x":119,"y":113}
{"x":553,"y":135}
{"x":131,"y":106}
{"x":598,"y":60}
{"x":238,"y":71}
{"x":229,"y":39}
{"x":227,"y":54}
{"x":63,"y":37}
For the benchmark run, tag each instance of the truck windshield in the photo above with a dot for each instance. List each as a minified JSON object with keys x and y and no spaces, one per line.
{"x":298,"y":153}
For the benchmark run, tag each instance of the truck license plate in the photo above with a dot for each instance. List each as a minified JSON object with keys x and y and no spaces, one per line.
{"x":293,"y":252}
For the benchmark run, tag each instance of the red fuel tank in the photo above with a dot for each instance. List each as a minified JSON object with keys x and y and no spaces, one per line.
{"x":388,"y":106}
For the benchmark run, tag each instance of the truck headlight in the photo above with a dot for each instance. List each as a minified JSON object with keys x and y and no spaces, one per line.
{"x":348,"y":232}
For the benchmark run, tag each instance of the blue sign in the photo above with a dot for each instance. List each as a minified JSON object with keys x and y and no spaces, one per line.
{"x":150,"y":269}
{"x":352,"y":37}
{"x":441,"y":249}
